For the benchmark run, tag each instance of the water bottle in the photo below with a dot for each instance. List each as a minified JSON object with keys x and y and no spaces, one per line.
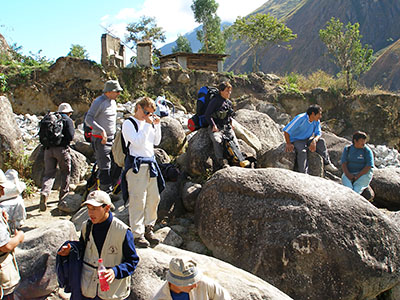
{"x":104,"y":286}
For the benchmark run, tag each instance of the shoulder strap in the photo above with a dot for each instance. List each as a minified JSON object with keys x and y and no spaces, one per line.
{"x":134,"y":124}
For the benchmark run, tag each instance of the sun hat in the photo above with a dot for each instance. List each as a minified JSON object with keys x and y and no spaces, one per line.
{"x":98,"y":198}
{"x":65,"y":108}
{"x":183,"y":272}
{"x":112,"y":86}
{"x":4,"y":182}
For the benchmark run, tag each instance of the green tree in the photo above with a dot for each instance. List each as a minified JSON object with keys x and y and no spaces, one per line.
{"x":260,"y":30}
{"x":145,"y":29}
{"x":182,"y":45}
{"x":78,"y":51}
{"x":211,"y":37}
{"x":344,"y":44}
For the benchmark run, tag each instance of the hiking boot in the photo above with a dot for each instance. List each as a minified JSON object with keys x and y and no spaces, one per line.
{"x":331,"y":168}
{"x":141,"y":242}
{"x":150,"y":236}
{"x":43,"y":202}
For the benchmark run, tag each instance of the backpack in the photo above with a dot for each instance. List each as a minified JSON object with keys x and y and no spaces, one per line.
{"x":162,"y":109}
{"x":204,"y":96}
{"x":169,"y":171}
{"x":119,"y":149}
{"x":87,"y":130}
{"x":50,"y":129}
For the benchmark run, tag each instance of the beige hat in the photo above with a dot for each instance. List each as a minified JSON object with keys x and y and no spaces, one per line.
{"x":183,"y":272}
{"x":65,"y":108}
{"x":4,"y":182}
{"x":98,"y":198}
{"x":112,"y":86}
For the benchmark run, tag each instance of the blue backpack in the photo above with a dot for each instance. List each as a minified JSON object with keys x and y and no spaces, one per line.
{"x":204,"y":97}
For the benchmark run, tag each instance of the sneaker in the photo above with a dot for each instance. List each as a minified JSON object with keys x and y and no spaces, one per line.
{"x":331,"y":168}
{"x":43,"y":202}
{"x":141,"y":242}
{"x":150,"y":236}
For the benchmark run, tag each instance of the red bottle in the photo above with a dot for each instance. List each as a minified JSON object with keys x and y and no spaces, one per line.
{"x":104,"y":286}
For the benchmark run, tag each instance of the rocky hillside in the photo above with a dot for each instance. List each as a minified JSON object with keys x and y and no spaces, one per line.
{"x":378,"y":25}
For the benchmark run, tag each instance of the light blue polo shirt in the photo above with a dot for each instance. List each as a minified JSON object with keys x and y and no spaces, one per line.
{"x":300,"y":128}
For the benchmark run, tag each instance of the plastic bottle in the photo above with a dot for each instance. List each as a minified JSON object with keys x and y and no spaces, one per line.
{"x":104,"y":286}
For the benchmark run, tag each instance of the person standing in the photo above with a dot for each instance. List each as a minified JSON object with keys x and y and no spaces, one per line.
{"x":142,"y":174}
{"x":218,"y":115}
{"x":109,"y":239}
{"x":303,"y":134}
{"x":102,"y":117}
{"x":9,"y":273}
{"x":60,"y":155}
{"x":357,"y":163}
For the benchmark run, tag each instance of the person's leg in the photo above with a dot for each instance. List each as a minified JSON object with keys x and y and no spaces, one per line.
{"x":216,"y":138}
{"x":150,"y":210}
{"x":323,"y":151}
{"x":362,"y":183}
{"x":346,"y":181}
{"x":63,"y":156}
{"x":50,"y":169}
{"x":301,"y":155}
{"x":103,"y":158}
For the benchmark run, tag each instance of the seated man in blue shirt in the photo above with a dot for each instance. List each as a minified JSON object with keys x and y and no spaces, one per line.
{"x":303,"y":134}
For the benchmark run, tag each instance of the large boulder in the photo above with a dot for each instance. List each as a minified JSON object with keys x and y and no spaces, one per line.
{"x":78,"y":167}
{"x":153,"y":265}
{"x":173,"y":138}
{"x":199,"y":158}
{"x":386,"y":185}
{"x":36,"y":258}
{"x":10,"y":135}
{"x":310,"y":237}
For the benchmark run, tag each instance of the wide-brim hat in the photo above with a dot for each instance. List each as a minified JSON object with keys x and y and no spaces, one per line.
{"x":98,"y":198}
{"x":183,"y":272}
{"x":112,"y":86}
{"x":65,"y":108}
{"x":4,"y":182}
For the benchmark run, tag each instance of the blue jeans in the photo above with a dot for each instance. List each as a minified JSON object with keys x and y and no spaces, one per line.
{"x":360,"y":184}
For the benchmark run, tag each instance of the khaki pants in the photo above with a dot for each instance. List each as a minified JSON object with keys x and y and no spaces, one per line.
{"x":143,"y":200}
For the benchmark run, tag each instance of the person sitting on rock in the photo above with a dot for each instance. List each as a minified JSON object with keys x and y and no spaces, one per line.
{"x":303,"y":134}
{"x":185,"y":281}
{"x":218,"y":115}
{"x":357,"y":163}
{"x":109,"y":239}
{"x":9,"y":240}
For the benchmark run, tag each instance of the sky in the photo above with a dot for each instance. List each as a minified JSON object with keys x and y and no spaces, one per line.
{"x":51,"y":27}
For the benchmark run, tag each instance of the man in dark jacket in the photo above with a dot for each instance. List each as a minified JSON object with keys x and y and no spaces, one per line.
{"x":58,"y":154}
{"x":219,"y":117}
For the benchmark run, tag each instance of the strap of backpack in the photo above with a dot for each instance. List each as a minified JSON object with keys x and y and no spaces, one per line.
{"x":89,"y":225}
{"x":136,"y":128}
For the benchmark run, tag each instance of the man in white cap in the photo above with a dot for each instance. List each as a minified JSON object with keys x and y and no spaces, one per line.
{"x":8,"y":242}
{"x":102,"y":117}
{"x":109,"y":239}
{"x":184,"y":281}
{"x":60,"y":155}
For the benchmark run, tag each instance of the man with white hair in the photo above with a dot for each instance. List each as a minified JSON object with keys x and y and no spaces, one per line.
{"x":58,"y":154}
{"x":185,"y":282}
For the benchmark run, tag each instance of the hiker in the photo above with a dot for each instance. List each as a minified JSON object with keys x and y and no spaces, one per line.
{"x":111,"y":240}
{"x":9,"y":274}
{"x":60,"y":155}
{"x":218,"y":115}
{"x":142,"y":178}
{"x":357,"y":163}
{"x":102,"y":117}
{"x":303,"y":134}
{"x":185,"y":281}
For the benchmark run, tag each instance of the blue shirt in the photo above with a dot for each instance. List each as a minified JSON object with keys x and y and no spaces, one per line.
{"x":300,"y":128}
{"x":357,"y":158}
{"x":180,"y":296}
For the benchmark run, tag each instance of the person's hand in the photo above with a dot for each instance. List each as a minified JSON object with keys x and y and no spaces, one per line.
{"x":5,"y":215}
{"x":149,"y":118}
{"x":109,"y":275}
{"x":215,"y":129}
{"x":313,"y":146}
{"x":20,"y":235}
{"x":65,"y":250}
{"x":104,"y":137}
{"x":156,"y":120}
{"x":289,"y":147}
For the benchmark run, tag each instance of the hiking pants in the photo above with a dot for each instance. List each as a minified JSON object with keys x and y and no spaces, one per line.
{"x":301,"y":148}
{"x":360,"y":184}
{"x":217,"y":141}
{"x":52,"y":156}
{"x":143,"y":199}
{"x":103,"y":159}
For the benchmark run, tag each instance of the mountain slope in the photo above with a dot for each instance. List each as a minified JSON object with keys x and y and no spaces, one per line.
{"x":378,"y":24}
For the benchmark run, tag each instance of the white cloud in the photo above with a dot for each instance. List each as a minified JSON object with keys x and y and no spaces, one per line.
{"x":126,"y":14}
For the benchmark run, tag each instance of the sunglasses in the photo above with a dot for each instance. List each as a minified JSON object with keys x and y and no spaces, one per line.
{"x":146,"y":112}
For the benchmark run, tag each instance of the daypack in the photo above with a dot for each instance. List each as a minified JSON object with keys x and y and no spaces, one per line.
{"x":50,"y":129}
{"x":119,"y":149}
{"x":169,"y":171}
{"x":162,"y":109}
{"x":204,"y":96}
{"x":87,"y":130}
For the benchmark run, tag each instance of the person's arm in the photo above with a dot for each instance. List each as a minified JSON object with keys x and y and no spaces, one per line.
{"x":289,"y":146}
{"x":90,"y":119}
{"x":13,"y":242}
{"x":132,"y":136}
{"x":344,"y":164}
{"x":364,"y":171}
{"x":157,"y":134}
{"x":317,"y":135}
{"x":130,"y":260}
{"x":70,"y":130}
{"x":211,"y":108}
